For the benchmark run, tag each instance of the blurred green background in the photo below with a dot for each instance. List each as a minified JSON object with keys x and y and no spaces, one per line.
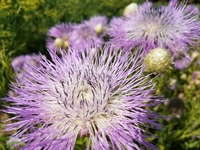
{"x":23,"y":27}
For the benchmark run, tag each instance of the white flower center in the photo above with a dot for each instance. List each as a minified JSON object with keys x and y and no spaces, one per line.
{"x":99,"y":28}
{"x":58,"y":42}
{"x":84,"y":92}
{"x":130,"y":9}
{"x":61,"y":42}
{"x":151,"y":29}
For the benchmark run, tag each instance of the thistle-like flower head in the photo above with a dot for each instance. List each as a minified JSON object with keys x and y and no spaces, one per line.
{"x":58,"y":36}
{"x":174,"y":27}
{"x":102,"y":96}
{"x":183,"y":63}
{"x":158,"y":60}
{"x":85,"y":35}
{"x":22,"y":62}
{"x":90,"y":33}
{"x":98,"y":23}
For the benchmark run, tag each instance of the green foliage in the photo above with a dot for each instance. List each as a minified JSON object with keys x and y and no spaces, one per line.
{"x":181,"y":128}
{"x":81,"y":143}
{"x":25,"y":23}
{"x":6,"y":71}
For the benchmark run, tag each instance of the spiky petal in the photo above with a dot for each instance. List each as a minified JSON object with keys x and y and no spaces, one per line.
{"x":22,"y":62}
{"x":58,"y":36}
{"x":90,"y":33}
{"x":173,"y":27}
{"x":103,"y":96}
{"x":99,"y":24}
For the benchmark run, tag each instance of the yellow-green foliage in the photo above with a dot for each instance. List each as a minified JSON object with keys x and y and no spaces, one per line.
{"x":181,"y":128}
{"x":24,"y":23}
{"x":6,"y":71}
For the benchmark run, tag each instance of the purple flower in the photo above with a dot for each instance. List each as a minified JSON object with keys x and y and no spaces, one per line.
{"x":58,"y":36}
{"x":99,"y":24}
{"x":198,"y":63}
{"x":174,"y":27}
{"x":182,"y":62}
{"x":196,"y":75}
{"x":90,"y":33}
{"x":21,"y":63}
{"x":118,"y":38}
{"x":102,"y":97}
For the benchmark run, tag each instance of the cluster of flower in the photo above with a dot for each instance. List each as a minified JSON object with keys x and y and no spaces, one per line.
{"x":94,"y":86}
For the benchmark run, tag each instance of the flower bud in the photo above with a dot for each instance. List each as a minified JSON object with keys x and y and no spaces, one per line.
{"x":99,"y":28}
{"x":130,"y":9}
{"x":195,"y":55}
{"x":158,"y":60}
{"x":61,"y":43}
{"x":183,"y":76}
{"x":58,"y":42}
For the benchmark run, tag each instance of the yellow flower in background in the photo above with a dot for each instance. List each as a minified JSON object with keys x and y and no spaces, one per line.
{"x":30,"y":4}
{"x":23,"y":4}
{"x":4,"y":4}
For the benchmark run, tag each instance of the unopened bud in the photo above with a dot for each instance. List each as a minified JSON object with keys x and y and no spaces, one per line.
{"x":197,"y":82}
{"x":130,"y":9}
{"x":58,"y":42}
{"x":181,"y":96}
{"x":158,"y":60}
{"x":99,"y":28}
{"x":194,"y":55}
{"x":184,"y":76}
{"x":61,"y":43}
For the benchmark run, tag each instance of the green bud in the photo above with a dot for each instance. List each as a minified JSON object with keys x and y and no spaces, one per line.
{"x":184,"y":76}
{"x":158,"y":60}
